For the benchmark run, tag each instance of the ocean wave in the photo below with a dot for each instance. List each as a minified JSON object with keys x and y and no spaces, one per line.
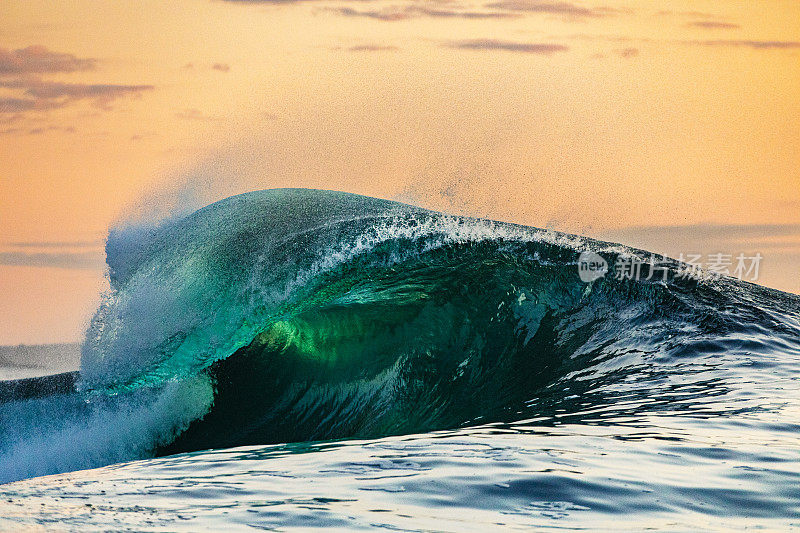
{"x":299,"y":315}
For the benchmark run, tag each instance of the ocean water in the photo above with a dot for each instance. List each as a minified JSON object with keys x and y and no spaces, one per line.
{"x":297,"y":359}
{"x":26,"y":361}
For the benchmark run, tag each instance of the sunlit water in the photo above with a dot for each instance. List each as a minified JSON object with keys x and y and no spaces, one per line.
{"x":736,"y":474}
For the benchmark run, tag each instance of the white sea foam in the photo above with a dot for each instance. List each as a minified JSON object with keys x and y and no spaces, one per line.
{"x":71,"y":432}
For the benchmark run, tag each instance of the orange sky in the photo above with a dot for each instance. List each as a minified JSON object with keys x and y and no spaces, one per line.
{"x":592,"y":118}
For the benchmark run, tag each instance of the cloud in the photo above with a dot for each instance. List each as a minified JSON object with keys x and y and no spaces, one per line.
{"x":9,"y":118}
{"x":37,"y":59}
{"x":95,"y":243}
{"x":265,"y":1}
{"x":21,"y":73}
{"x":42,"y":95}
{"x":566,"y":9}
{"x":143,"y":135}
{"x":37,"y":131}
{"x":691,"y":14}
{"x":78,"y":260}
{"x":508,"y":46}
{"x":703,"y":20}
{"x":386,"y":16}
{"x":758,"y":45}
{"x":723,"y":231}
{"x":730,"y":43}
{"x":395,"y":14}
{"x":74,"y":254}
{"x":79,"y":91}
{"x":19,"y":105}
{"x":628,"y":52}
{"x":194,"y":114}
{"x":725,"y":237}
{"x":714,"y":25}
{"x":372,"y":48}
{"x":219,"y":67}
{"x":451,"y":13}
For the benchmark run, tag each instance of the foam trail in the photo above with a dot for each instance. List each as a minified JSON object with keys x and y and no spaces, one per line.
{"x":71,"y":432}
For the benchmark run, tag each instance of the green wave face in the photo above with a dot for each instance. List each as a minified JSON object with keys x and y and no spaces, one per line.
{"x":321,"y":315}
{"x":452,"y":336}
{"x":193,"y":292}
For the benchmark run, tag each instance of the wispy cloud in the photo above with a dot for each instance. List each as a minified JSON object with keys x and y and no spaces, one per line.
{"x":690,"y":14}
{"x":143,"y":135}
{"x":37,"y":59}
{"x":391,"y":15}
{"x":20,"y":105}
{"x":75,"y":254}
{"x":49,"y":90}
{"x":21,"y":73}
{"x":94,"y":243}
{"x":460,"y":13}
{"x":702,"y":19}
{"x":371,"y":48}
{"x":714,"y":25}
{"x":508,"y":46}
{"x":76,"y":260}
{"x":747,"y":233}
{"x":722,"y":43}
{"x":566,"y":9}
{"x":448,"y":9}
{"x":266,"y":1}
{"x":194,"y":114}
{"x":758,"y":45}
{"x":714,"y":237}
{"x":218,"y":66}
{"x":42,"y":95}
{"x":37,"y":131}
{"x":394,"y":14}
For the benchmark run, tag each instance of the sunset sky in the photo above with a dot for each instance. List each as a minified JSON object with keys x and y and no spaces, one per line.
{"x":673,"y":126}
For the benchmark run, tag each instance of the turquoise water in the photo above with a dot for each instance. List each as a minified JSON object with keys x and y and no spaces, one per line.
{"x":297,"y":358}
